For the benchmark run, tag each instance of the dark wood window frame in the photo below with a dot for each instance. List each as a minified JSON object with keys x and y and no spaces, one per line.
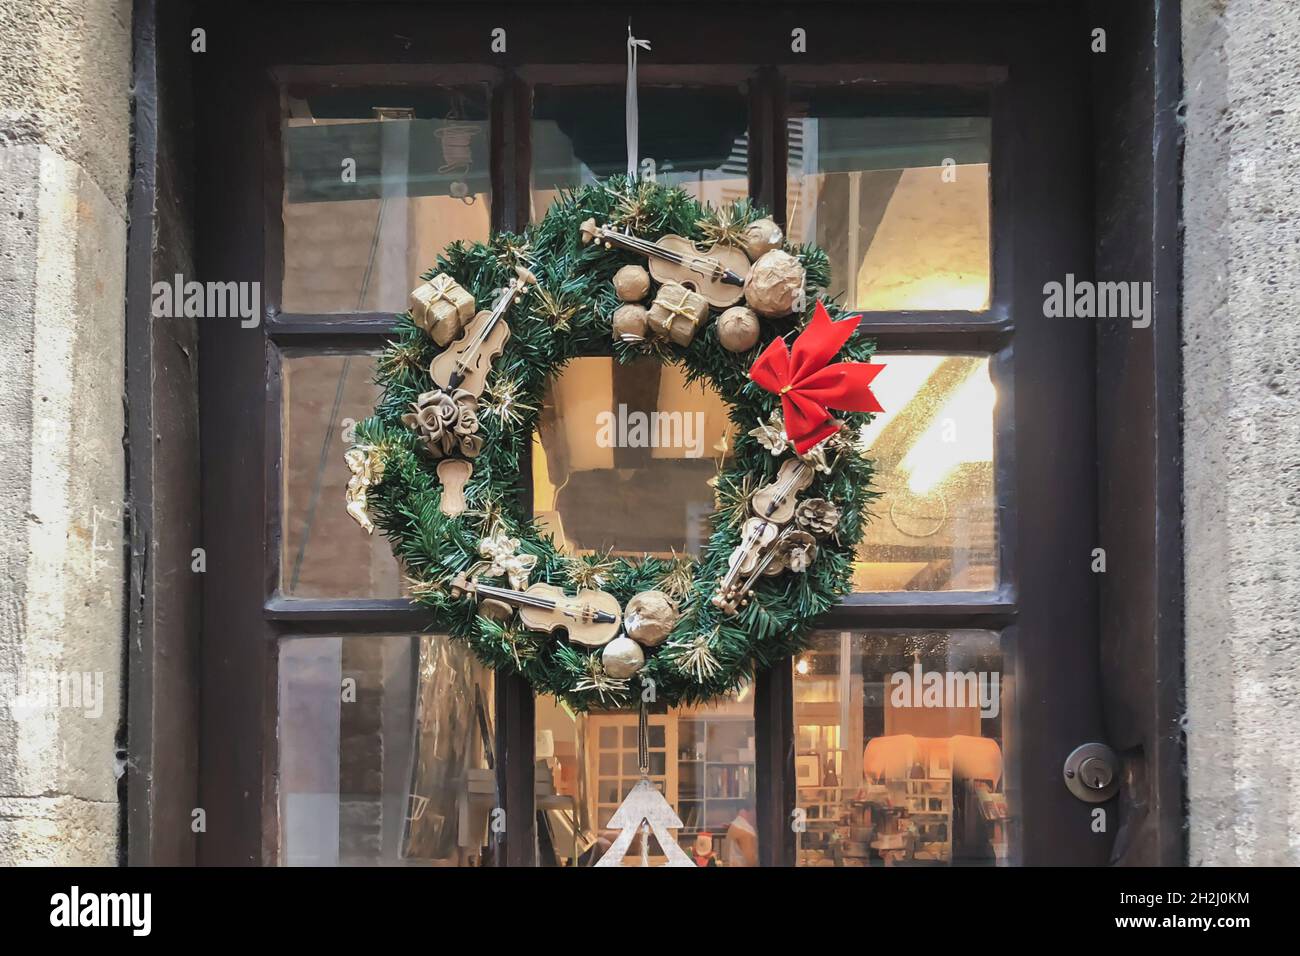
{"x":291,"y":334}
{"x":243,"y":399}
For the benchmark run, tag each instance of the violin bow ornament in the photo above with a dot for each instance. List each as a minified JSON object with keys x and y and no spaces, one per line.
{"x":809,"y":386}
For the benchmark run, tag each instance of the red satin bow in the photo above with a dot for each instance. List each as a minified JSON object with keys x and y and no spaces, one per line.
{"x":808,"y":386}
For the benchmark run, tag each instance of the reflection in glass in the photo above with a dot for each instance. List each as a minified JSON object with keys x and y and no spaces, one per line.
{"x":694,"y":138}
{"x":899,"y":202}
{"x":901,"y":748}
{"x":623,"y":458}
{"x":934,"y":527}
{"x":384,"y":752}
{"x":324,"y":553}
{"x":701,"y":759}
{"x":376,"y":183}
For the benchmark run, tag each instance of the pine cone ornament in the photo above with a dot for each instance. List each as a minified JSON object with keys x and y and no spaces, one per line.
{"x":800,"y":554}
{"x":817,"y":515}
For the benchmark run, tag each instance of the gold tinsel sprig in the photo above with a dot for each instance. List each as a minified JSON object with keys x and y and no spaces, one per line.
{"x":515,"y":252}
{"x":591,"y":570}
{"x":679,"y":578}
{"x":655,"y":347}
{"x":556,"y":309}
{"x":733,"y":496}
{"x":694,"y":656}
{"x":521,"y":645}
{"x":423,"y":590}
{"x":503,"y":398}
{"x":726,"y":225}
{"x":633,"y":209}
{"x":491,"y":521}
{"x":399,"y":358}
{"x":596,"y":679}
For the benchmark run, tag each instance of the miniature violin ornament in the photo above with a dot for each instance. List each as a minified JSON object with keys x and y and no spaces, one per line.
{"x":717,"y":273}
{"x":466,"y":363}
{"x":591,"y":618}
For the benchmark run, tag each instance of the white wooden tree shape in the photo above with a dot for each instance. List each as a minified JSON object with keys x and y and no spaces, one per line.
{"x":645,"y":804}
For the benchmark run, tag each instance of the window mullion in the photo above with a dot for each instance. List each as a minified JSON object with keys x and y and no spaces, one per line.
{"x":515,"y":705}
{"x":773,"y":686}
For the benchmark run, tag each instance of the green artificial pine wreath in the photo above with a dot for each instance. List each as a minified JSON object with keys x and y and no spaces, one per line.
{"x":567,"y":315}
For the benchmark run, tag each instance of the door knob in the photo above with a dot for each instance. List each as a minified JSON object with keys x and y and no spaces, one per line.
{"x":1092,"y":773}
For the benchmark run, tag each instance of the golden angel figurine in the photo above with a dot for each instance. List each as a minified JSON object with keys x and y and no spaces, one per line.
{"x":367,"y":471}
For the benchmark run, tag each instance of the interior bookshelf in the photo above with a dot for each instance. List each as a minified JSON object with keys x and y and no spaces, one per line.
{"x":715,"y":775}
{"x":929,"y":806}
{"x":704,"y":764}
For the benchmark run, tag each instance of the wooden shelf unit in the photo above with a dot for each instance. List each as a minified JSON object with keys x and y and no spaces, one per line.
{"x":686,"y":755}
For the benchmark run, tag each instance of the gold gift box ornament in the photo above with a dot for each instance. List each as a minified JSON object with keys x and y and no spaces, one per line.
{"x":678,"y":313}
{"x":441,"y":307}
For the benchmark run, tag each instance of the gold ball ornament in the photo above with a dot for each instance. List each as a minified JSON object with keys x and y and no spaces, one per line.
{"x":630,"y":323}
{"x":631,"y":283}
{"x":738,"y":329}
{"x":761,"y":236}
{"x":650,"y":617}
{"x":622,"y":657}
{"x":774,"y":286}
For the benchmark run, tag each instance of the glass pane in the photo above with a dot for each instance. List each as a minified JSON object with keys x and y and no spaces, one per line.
{"x":696,"y":138}
{"x":617,"y":443}
{"x":701,"y":759}
{"x":902,"y":746}
{"x":934,"y":527}
{"x":896,"y":195}
{"x":383,"y":752}
{"x":376,"y":183}
{"x":324,"y":552}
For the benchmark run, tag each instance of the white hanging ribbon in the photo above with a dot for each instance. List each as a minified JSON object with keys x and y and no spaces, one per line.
{"x":633,"y":44}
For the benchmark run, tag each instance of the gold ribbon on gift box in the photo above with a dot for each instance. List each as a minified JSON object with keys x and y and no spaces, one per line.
{"x":679,"y":311}
{"x":682,"y":309}
{"x":441,"y":286}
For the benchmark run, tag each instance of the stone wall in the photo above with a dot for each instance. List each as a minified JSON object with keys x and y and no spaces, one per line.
{"x":64,"y":161}
{"x":1241,"y":368}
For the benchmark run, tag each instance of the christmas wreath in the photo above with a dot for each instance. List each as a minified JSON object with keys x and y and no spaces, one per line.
{"x":437,"y":467}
